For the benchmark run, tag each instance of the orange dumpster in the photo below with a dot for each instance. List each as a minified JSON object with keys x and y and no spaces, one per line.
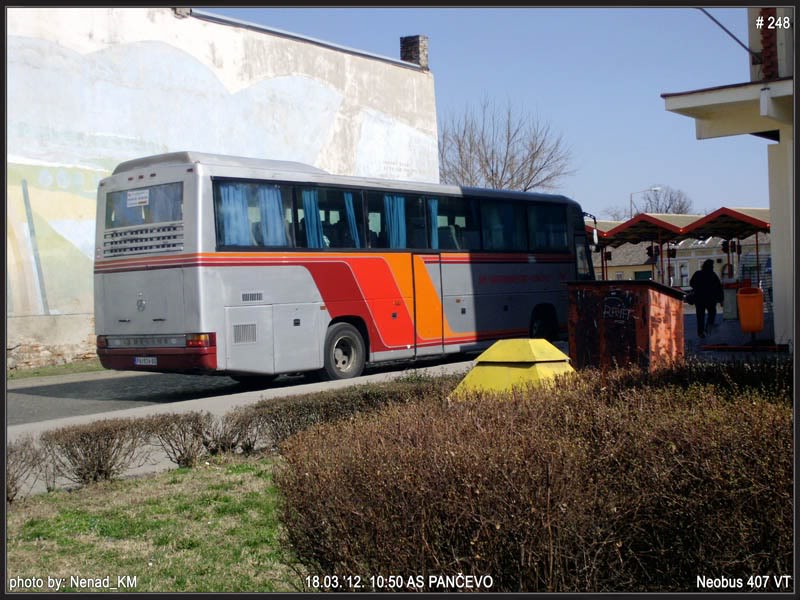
{"x":750,"y":301}
{"x":620,"y":323}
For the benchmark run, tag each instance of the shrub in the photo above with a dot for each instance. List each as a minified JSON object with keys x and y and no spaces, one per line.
{"x":245,"y":425}
{"x":283,"y":417}
{"x":97,"y":451}
{"x":23,"y":460}
{"x":181,"y":436}
{"x":220,"y":434}
{"x":597,"y":484}
{"x":770,"y":376}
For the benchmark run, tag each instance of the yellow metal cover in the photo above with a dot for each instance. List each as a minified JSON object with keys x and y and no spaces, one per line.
{"x":515,"y":363}
{"x":521,"y":350}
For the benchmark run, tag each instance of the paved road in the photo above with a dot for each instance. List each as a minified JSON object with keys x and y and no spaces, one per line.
{"x":45,"y":398}
{"x":78,"y":395}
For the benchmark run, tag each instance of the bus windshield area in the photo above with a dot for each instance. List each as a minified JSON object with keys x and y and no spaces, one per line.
{"x":145,"y":206}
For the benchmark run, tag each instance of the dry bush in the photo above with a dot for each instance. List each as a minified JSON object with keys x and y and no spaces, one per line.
{"x":770,"y":376}
{"x":280,"y":418}
{"x":97,"y":451}
{"x":246,"y":425}
{"x":615,"y":484}
{"x":23,"y":462}
{"x":181,"y":436}
{"x":221,"y":435}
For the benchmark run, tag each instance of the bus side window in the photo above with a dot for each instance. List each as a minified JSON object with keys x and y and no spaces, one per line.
{"x":447,"y":238}
{"x":378,"y":220}
{"x":460,"y":217}
{"x":252,"y":214}
{"x":547,"y":227}
{"x":257,"y":237}
{"x":341,"y":217}
{"x":503,"y":225}
{"x":417,"y":235}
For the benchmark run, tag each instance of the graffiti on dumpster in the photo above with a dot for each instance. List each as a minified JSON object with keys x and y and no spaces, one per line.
{"x":618,"y":307}
{"x":613,"y":324}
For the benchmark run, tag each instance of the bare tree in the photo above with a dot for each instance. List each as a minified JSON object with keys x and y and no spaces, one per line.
{"x":501,"y":149}
{"x":660,"y":199}
{"x":663,"y":199}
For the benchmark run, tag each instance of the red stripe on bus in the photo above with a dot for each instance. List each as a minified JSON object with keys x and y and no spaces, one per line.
{"x":260,"y":258}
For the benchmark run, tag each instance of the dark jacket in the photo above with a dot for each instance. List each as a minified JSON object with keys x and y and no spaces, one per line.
{"x":706,"y":285}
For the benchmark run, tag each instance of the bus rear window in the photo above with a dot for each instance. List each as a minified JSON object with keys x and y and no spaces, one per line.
{"x":144,"y":206}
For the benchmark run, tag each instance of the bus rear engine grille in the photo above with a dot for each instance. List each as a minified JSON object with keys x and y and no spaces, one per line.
{"x":164,"y":237}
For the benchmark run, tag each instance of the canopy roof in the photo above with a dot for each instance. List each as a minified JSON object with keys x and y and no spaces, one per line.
{"x":728,"y":223}
{"x":725,"y":223}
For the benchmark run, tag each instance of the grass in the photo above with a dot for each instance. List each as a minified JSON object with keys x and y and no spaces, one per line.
{"x":213,"y":528}
{"x":78,"y":366}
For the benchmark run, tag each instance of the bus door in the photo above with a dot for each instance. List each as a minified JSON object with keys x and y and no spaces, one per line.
{"x":428,"y":308}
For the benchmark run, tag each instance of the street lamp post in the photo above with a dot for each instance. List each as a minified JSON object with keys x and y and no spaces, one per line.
{"x":650,"y":189}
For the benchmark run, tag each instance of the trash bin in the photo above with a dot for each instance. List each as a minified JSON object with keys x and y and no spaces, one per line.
{"x":751,"y":309}
{"x":620,"y":323}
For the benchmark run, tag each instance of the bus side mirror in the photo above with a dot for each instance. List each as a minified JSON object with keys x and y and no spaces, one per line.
{"x":595,"y":240}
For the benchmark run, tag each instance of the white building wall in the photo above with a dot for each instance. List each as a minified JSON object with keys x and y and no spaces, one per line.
{"x":783,"y":236}
{"x":91,"y":87}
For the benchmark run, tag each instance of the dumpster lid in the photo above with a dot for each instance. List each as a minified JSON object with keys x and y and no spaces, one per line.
{"x":628,"y":285}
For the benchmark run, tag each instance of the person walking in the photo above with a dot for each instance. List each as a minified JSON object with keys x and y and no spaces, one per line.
{"x":707,"y":293}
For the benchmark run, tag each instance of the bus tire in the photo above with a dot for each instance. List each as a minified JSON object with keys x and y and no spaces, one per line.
{"x":345,"y":353}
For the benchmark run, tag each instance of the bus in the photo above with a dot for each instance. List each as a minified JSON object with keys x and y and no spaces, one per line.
{"x":253,"y":268}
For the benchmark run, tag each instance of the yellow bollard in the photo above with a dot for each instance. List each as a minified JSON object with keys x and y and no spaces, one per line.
{"x":514,"y":363}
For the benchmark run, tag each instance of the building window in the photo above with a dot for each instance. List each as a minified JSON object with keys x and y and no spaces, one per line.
{"x":683,"y":270}
{"x":619,"y":275}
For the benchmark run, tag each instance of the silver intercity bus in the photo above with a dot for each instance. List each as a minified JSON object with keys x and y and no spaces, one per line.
{"x":248,"y":267}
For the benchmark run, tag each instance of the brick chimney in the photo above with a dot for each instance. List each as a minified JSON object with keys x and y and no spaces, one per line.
{"x":414,"y":49}
{"x":769,"y":45}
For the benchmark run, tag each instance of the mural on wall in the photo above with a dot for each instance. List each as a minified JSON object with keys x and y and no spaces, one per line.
{"x":98,"y":109}
{"x":50,"y":211}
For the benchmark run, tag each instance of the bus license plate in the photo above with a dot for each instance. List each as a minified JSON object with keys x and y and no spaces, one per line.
{"x":145,"y":361}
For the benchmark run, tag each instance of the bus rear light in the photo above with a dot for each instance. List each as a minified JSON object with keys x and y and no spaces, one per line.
{"x":201,"y":340}
{"x":102,"y":341}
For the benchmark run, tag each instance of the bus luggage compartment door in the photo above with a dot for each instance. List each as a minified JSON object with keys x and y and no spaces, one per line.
{"x":249,"y":339}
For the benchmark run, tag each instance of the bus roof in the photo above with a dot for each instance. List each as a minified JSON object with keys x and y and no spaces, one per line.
{"x":189,"y":157}
{"x":316,"y":175}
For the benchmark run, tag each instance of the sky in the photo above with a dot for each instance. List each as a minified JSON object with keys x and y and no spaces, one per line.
{"x":594,"y":75}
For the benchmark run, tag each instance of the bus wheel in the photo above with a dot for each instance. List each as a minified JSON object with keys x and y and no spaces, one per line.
{"x":344,"y":352}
